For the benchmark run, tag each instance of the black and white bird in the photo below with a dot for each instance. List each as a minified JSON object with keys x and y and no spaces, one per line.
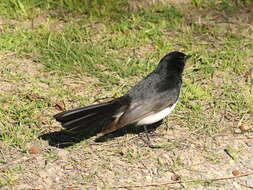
{"x":148,"y":102}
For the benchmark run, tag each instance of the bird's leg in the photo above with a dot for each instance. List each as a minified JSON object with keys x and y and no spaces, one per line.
{"x":148,"y":141}
{"x":155,"y":134}
{"x":152,"y":130}
{"x":167,"y":126}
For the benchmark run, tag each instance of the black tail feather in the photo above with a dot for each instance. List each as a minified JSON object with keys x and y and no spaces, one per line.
{"x":91,"y":116}
{"x":86,"y":121}
{"x":79,"y":112}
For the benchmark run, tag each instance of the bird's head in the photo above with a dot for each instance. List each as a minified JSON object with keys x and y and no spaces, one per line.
{"x":175,"y":60}
{"x":177,"y":56}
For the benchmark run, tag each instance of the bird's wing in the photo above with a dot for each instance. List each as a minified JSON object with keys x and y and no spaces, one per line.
{"x":135,"y":113}
{"x":138,"y":111}
{"x":150,"y":96}
{"x":141,"y":110}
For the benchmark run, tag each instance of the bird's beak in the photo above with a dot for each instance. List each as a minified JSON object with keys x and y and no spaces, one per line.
{"x":187,"y":57}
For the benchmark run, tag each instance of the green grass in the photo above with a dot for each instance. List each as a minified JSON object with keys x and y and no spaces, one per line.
{"x":105,"y":47}
{"x":116,"y":47}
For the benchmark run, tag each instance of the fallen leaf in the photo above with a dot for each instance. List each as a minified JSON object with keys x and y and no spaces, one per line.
{"x":34,"y":150}
{"x":235,"y":172}
{"x":60,"y":106}
{"x":244,"y":127}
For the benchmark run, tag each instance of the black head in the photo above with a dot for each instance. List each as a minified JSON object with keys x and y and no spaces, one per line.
{"x":175,"y":60}
{"x":176,"y":56}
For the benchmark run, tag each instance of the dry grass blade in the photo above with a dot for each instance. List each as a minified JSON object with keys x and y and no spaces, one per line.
{"x":22,"y":159}
{"x":176,"y":182}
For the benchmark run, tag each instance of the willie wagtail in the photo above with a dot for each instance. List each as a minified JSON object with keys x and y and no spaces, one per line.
{"x":148,"y":102}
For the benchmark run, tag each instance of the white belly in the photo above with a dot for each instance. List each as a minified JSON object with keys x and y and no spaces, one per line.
{"x":157,"y":116}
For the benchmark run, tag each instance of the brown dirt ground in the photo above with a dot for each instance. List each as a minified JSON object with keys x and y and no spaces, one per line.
{"x":125,"y":162}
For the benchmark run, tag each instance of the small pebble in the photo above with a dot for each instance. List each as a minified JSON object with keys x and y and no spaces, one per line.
{"x":34,"y":150}
{"x":237,"y":131}
{"x":244,"y":127}
{"x":236,"y":172}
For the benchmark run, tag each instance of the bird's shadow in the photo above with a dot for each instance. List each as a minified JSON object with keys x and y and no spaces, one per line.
{"x":63,"y":139}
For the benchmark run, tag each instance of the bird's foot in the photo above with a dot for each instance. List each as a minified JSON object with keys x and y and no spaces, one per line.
{"x":147,"y":139}
{"x":148,"y":142}
{"x":154,"y":134}
{"x":153,"y":146}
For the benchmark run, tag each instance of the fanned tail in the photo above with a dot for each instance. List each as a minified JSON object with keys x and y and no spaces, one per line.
{"x":90,"y":117}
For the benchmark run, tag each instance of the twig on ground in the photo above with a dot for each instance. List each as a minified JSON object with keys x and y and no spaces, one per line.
{"x":229,"y":154}
{"x":176,"y":182}
{"x":249,"y":187}
{"x":22,"y":159}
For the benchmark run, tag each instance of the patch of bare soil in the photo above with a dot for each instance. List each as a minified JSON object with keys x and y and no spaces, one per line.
{"x":219,"y":162}
{"x":187,"y":159}
{"x":34,"y":22}
{"x":15,"y":70}
{"x":135,"y":5}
